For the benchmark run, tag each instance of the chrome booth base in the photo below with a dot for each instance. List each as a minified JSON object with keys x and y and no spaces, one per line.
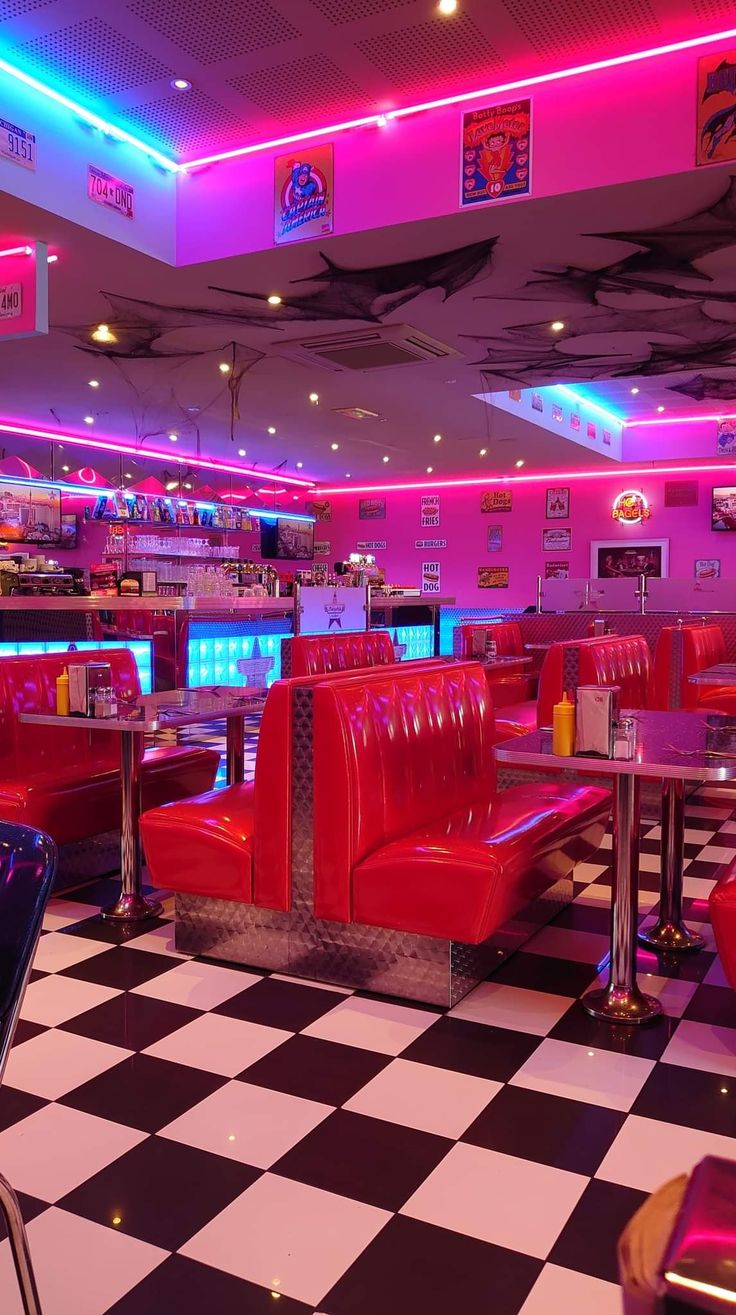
{"x":423,"y":968}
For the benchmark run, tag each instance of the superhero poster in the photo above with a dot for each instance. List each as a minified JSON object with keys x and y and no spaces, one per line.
{"x":496,"y":151}
{"x":716,"y":112}
{"x":303,"y":194}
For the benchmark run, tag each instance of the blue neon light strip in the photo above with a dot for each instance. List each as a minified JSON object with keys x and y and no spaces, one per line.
{"x":140,"y":648}
{"x":581,"y":400}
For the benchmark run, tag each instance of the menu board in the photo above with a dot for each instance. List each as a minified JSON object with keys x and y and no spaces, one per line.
{"x":29,"y":514}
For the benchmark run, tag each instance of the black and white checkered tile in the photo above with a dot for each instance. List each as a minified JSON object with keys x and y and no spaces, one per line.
{"x":191,"y":1137}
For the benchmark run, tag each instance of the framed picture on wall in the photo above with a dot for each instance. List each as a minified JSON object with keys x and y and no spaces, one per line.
{"x":372,"y":509}
{"x":707,"y":568}
{"x":610,"y":559}
{"x":557,"y":504}
{"x":557,"y":540}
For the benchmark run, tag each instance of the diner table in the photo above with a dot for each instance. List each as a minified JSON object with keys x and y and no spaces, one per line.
{"x":674,"y":746}
{"x":147,"y":714}
{"x":723,"y":673}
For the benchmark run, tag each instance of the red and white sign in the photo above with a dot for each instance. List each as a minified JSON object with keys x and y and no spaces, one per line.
{"x":630,"y":508}
{"x":24,"y":301}
{"x":430,"y":513}
{"x":109,"y":191}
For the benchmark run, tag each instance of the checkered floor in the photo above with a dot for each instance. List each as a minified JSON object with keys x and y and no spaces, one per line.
{"x":190,"y":1137}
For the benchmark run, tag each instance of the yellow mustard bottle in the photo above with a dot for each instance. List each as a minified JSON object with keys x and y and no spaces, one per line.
{"x":563,"y":728}
{"x":62,"y":694}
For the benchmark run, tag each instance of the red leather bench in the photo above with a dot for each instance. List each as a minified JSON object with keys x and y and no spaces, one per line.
{"x":722,"y":903}
{"x":681,"y":652}
{"x":509,"y":685}
{"x":66,"y":780}
{"x":622,"y":660}
{"x":310,"y":655}
{"x":409,"y":832}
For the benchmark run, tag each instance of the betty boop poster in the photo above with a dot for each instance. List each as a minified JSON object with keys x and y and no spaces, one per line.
{"x":496,"y":151}
{"x":303,"y":194}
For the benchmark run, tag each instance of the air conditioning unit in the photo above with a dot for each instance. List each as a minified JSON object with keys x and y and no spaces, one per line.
{"x":367,"y":349}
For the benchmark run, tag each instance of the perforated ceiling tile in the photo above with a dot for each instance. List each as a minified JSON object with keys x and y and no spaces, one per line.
{"x":346,"y":11}
{"x":93,"y":56}
{"x":211,"y":30}
{"x":189,"y":124}
{"x":413,"y":56}
{"x":718,"y":10}
{"x":324,"y":90}
{"x":572,"y":24}
{"x":16,"y":8}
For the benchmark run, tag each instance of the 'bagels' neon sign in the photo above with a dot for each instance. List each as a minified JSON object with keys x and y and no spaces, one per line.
{"x":630,"y":508}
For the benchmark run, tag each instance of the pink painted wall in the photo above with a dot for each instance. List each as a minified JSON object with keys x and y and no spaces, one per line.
{"x":667,"y":442}
{"x":465,"y":528}
{"x":590,"y":131}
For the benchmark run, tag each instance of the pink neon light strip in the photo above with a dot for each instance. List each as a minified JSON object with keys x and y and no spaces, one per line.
{"x":171,"y":458}
{"x":378,"y":120}
{"x":680,"y":420}
{"x":636,"y":471}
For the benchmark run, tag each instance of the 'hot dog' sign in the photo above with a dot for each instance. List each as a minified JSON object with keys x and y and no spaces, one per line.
{"x":430,"y":577}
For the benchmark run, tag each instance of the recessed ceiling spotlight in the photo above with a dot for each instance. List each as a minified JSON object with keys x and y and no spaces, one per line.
{"x":557,"y":326}
{"x":171,"y":485}
{"x":241,"y":451}
{"x":94,"y":383}
{"x":519,"y":463}
{"x":300,"y":465}
{"x":385,"y":459}
{"x":174,"y":438}
{"x":483,"y":451}
{"x":447,"y":7}
{"x":347,"y":474}
{"x":271,"y":429}
{"x":89,"y":420}
{"x":437,"y":438}
{"x":314,"y":398}
{"x":334,"y":446}
{"x":65,"y":469}
{"x":634,"y":392}
{"x":187,"y":486}
{"x":274,"y":299}
{"x":223,"y":367}
{"x":103,"y":334}
{"x":660,"y":409}
{"x":430,"y":469}
{"x":128,"y":475}
{"x":181,"y":84}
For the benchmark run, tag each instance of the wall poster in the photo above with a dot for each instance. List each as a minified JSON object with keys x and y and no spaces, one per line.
{"x":556,"y":570}
{"x":430,"y":510}
{"x":495,"y":538}
{"x":322,"y":548}
{"x":557,"y":504}
{"x":496,"y":500}
{"x":303,"y":194}
{"x":493,"y":577}
{"x":726,"y":437}
{"x":557,"y":540}
{"x":430,"y":577}
{"x":707,"y":568}
{"x":372,"y":509}
{"x":681,"y":493}
{"x":496,"y":152}
{"x":321,"y":510}
{"x":716,"y":108}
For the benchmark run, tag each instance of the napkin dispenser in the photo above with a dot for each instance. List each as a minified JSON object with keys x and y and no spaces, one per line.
{"x":597,"y":709}
{"x":84,"y":679}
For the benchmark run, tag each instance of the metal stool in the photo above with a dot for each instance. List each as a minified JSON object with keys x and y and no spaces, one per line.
{"x":27,"y":868}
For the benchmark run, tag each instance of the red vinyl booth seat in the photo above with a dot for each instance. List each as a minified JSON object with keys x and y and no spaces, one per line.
{"x":722,"y":904}
{"x":315,"y":654}
{"x":509,"y":686}
{"x":702,"y":646}
{"x":409,"y":832}
{"x":622,"y":660}
{"x":66,"y":780}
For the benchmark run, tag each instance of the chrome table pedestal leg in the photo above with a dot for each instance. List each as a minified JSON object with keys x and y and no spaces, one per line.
{"x":621,"y":1001}
{"x":670,"y":932}
{"x":18,"y":1239}
{"x":131,"y":904}
{"x":235,"y":750}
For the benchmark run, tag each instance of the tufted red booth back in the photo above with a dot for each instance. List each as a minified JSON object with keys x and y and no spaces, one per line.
{"x":702,"y":646}
{"x":622,"y":660}
{"x":507,"y":635}
{"x":315,"y":654}
{"x":398,"y":752}
{"x":28,"y":684}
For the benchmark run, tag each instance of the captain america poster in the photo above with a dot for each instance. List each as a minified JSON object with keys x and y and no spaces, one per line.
{"x":496,"y":153}
{"x":303,"y":194}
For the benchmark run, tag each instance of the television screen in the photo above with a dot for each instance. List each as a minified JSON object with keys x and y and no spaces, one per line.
{"x":68,"y":530}
{"x":724,"y":509}
{"x":28,"y":514}
{"x":287,"y":540}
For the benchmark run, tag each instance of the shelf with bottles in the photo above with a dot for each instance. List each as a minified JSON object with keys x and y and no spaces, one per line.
{"x":121,"y":508}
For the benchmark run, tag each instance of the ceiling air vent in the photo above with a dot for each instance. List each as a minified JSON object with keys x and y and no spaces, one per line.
{"x":367,"y":349}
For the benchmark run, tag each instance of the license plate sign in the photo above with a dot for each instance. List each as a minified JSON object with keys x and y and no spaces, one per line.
{"x":17,"y":145}
{"x":11,"y":301}
{"x":109,"y":191}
